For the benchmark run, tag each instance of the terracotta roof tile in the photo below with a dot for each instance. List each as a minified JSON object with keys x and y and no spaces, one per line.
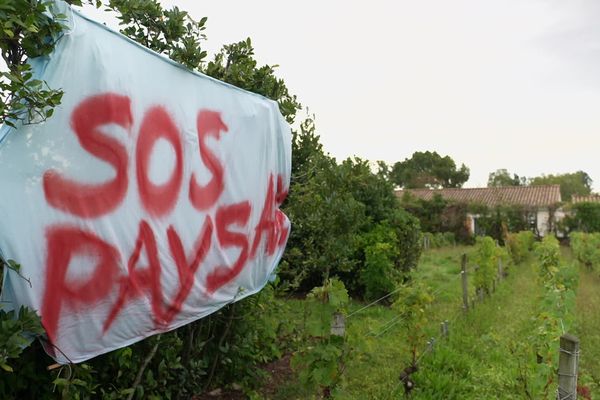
{"x":532,"y":196}
{"x":592,"y":198}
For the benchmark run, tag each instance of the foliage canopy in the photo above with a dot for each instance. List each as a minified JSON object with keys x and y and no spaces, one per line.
{"x":429,"y":169}
{"x":502,"y":177}
{"x":578,"y":183}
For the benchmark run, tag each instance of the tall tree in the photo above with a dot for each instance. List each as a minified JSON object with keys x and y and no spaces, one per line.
{"x":501,"y":177}
{"x":578,"y":183}
{"x":235,"y":64}
{"x":429,"y":169}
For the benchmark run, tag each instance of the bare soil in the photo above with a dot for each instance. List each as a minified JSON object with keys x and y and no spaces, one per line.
{"x":279,"y":373}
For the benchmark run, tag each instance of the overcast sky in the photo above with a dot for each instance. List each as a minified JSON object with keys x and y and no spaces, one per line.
{"x":494,"y":84}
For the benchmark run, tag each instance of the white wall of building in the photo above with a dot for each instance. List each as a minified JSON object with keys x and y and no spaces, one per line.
{"x":542,"y":221}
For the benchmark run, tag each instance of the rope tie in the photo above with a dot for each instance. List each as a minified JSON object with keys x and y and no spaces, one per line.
{"x":571,"y":375}
{"x":563,"y":395}
{"x":374,"y":302}
{"x":573,"y":353}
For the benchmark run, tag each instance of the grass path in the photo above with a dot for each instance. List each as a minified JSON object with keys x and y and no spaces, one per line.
{"x":382,"y":348}
{"x":477,"y":362}
{"x":475,"y":356}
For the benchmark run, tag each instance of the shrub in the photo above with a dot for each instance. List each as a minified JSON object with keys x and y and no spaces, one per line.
{"x":387,"y":258}
{"x":586,"y":248}
{"x":379,"y":276}
{"x":333,"y":209}
{"x":519,"y":245}
{"x":585,"y":217}
{"x":412,"y":304}
{"x":17,"y":332}
{"x":555,"y":316}
{"x":485,"y":257}
{"x":439,"y":215}
{"x":439,"y":239}
{"x":547,"y":253}
{"x":526,"y":239}
{"x":449,"y":238}
{"x":408,"y":232}
{"x":502,"y":254}
{"x":321,"y":361}
{"x":517,"y":253}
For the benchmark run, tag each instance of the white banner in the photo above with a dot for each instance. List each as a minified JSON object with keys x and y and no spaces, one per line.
{"x":149,"y":200}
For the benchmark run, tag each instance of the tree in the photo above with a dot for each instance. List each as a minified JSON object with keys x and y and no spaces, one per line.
{"x":235,"y":64}
{"x":429,"y":169}
{"x":429,"y":212}
{"x":584,"y":217}
{"x":501,"y":177}
{"x":371,"y":189}
{"x":29,"y":30}
{"x":327,"y":222}
{"x":336,"y":211}
{"x":328,"y":217}
{"x":578,"y":183}
{"x":170,"y":32}
{"x":306,"y":149}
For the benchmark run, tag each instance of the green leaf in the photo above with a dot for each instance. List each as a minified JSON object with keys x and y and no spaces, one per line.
{"x":6,"y":367}
{"x":60,"y":382}
{"x":12,"y":264}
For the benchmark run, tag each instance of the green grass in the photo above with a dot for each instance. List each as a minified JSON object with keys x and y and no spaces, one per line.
{"x":474,"y":363}
{"x":477,"y":360}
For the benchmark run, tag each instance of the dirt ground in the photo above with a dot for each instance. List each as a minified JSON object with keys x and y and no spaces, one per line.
{"x":279,"y":372}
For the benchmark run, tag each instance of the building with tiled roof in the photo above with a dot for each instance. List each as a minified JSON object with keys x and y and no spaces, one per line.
{"x":525,"y":196}
{"x":592,"y":198}
{"x":543,"y":202}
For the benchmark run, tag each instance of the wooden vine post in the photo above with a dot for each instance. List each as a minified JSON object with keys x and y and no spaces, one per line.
{"x":444,"y":329}
{"x":465,"y":286}
{"x":567,"y":367}
{"x":338,"y":324}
